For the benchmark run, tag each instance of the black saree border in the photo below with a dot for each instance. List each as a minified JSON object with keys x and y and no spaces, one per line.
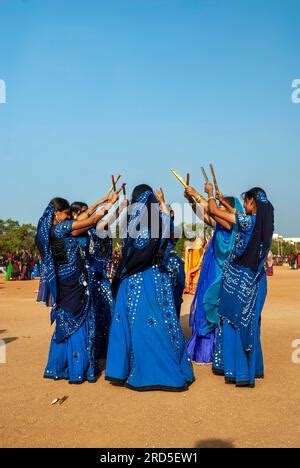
{"x":148,"y":388}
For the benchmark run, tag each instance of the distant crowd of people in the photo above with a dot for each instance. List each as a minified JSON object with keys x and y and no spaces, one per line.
{"x":23,"y":265}
{"x":293,"y":260}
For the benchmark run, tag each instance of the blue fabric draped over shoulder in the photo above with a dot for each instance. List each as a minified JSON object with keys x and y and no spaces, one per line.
{"x":72,"y":285}
{"x":99,"y":255}
{"x":48,"y":284}
{"x":238,"y":352}
{"x":240,"y":285}
{"x":210,"y":281}
{"x":223,"y":245}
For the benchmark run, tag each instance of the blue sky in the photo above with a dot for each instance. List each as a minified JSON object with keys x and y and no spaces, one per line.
{"x":96,"y":87}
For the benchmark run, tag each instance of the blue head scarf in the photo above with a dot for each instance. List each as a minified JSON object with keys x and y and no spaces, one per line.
{"x":48,"y":275}
{"x":261,"y":239}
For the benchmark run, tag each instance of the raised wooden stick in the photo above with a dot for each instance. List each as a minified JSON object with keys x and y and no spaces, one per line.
{"x":113,"y":183}
{"x":179,"y":178}
{"x":120,"y":189}
{"x":188,"y":179}
{"x":214,"y":177}
{"x":124,"y":189}
{"x":112,"y":187}
{"x":204,"y":174}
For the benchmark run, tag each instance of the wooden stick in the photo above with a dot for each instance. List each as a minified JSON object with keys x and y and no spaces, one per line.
{"x":112,"y":187}
{"x":214,"y":178}
{"x":120,"y":189}
{"x":204,"y":174}
{"x":179,"y":178}
{"x":113,"y":183}
{"x":124,"y":189}
{"x":188,"y":179}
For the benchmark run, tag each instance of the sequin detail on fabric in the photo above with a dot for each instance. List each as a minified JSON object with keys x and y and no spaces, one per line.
{"x":165,"y":300}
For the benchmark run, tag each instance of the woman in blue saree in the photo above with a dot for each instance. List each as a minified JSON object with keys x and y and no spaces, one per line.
{"x":97,"y":248}
{"x":96,"y":252}
{"x":238,"y":354}
{"x":146,"y":348}
{"x":204,"y":318}
{"x":65,"y":287}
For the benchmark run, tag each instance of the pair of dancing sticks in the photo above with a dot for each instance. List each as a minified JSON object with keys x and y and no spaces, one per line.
{"x":113,"y":186}
{"x":178,"y":177}
{"x":187,"y":182}
{"x":213,"y":176}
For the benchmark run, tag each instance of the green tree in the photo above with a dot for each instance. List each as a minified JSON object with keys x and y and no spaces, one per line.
{"x":285,"y":247}
{"x":15,"y":237}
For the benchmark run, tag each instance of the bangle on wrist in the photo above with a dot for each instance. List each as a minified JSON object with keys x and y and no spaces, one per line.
{"x":211,"y":198}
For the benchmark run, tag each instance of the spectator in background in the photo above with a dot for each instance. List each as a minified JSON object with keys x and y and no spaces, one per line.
{"x":9,"y":268}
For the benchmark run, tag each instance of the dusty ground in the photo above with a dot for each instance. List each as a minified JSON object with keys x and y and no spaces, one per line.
{"x":210,"y":414}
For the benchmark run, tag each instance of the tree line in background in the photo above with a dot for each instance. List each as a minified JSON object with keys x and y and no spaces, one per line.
{"x":15,"y":237}
{"x":285,"y":248}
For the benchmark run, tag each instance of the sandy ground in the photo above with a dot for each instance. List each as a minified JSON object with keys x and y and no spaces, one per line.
{"x":209,"y":414}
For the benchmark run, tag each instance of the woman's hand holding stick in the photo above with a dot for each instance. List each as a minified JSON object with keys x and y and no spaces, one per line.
{"x":223,"y":202}
{"x":161,"y":198}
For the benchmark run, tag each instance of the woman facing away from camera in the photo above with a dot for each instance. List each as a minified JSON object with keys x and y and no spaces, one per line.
{"x":96,"y":245}
{"x":65,"y":287}
{"x":204,"y":318}
{"x":146,"y":348}
{"x":238,"y":353}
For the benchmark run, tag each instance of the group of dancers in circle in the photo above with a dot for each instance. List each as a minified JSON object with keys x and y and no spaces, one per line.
{"x":133,"y":322}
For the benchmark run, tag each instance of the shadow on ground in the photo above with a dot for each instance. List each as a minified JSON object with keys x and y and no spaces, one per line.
{"x":10,"y":340}
{"x":214,"y":443}
{"x":184,"y":322}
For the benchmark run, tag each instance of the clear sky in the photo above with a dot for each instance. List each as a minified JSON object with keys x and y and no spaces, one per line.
{"x":96,"y":87}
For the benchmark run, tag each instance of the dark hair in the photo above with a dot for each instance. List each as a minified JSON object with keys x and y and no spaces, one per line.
{"x":230,"y":201}
{"x":77,"y":206}
{"x":60,"y":204}
{"x":252,"y":193}
{"x":138,"y":190}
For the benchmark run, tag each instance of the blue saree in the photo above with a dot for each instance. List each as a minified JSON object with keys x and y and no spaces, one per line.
{"x":238,"y":354}
{"x":97,"y":252}
{"x":146,"y":345}
{"x":65,"y":287}
{"x":204,"y":318}
{"x":175,"y":267}
{"x":99,"y":255}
